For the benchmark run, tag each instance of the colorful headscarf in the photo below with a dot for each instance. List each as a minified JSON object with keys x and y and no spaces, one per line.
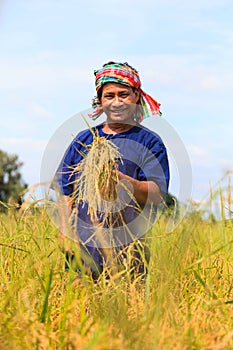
{"x":123,"y":73}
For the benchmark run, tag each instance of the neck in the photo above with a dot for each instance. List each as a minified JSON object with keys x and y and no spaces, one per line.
{"x":116,"y":128}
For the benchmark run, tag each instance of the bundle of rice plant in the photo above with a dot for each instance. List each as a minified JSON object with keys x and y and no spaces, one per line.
{"x":97,"y":178}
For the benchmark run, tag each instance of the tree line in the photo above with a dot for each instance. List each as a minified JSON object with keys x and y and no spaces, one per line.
{"x":12,"y":185}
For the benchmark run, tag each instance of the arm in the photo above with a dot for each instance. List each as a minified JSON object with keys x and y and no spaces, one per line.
{"x":64,"y":210}
{"x":64,"y":181}
{"x":143,"y":190}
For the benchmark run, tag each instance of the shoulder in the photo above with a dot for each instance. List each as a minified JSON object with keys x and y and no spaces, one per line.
{"x":147,"y":136}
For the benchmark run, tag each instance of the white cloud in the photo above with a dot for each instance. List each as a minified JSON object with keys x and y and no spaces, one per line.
{"x":207,"y":159}
{"x":197,"y":151}
{"x":217,"y":82}
{"x":39,"y":112}
{"x":22,"y":145}
{"x":41,"y":73}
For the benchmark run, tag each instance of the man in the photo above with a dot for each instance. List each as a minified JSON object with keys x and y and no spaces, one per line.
{"x":144,"y":168}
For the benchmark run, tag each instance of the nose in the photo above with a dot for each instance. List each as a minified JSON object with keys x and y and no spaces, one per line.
{"x":117,"y":101}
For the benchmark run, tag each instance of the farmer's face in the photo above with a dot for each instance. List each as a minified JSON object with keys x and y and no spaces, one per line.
{"x":119,"y":102}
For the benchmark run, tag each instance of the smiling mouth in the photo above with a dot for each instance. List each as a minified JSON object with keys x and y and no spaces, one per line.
{"x":119,"y":111}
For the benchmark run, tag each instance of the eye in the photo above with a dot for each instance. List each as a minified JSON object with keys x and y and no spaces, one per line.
{"x":108,"y":96}
{"x":124,"y":95}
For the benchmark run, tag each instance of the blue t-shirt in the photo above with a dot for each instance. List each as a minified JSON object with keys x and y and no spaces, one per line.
{"x":144,"y":158}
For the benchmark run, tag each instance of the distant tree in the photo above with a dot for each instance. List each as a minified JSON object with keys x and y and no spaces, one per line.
{"x":11,"y":183}
{"x":171,"y":206}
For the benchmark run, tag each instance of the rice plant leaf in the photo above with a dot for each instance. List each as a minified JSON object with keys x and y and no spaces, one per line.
{"x":198,"y":277}
{"x":209,"y":255}
{"x":46,"y":297}
{"x":13,"y":247}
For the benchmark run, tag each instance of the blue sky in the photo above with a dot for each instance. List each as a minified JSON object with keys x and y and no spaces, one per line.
{"x":182,"y":49}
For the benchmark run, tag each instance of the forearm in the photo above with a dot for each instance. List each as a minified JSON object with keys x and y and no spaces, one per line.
{"x":143,"y":191}
{"x":64,"y":211}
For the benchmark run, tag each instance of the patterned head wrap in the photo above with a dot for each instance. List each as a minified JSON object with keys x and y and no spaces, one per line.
{"x":123,"y":73}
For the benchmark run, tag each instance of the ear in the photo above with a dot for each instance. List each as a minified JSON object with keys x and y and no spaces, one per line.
{"x":137,"y":95}
{"x":99,"y":95}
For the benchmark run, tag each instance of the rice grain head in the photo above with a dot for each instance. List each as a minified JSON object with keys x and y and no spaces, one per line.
{"x":97,"y":178}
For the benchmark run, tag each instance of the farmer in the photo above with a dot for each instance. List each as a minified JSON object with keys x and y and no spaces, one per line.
{"x":143,"y":170}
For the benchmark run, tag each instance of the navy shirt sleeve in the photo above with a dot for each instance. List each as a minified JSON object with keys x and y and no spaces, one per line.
{"x":67,"y":171}
{"x":155,"y":165}
{"x":65,"y":176}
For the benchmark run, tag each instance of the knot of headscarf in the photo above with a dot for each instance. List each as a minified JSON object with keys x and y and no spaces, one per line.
{"x":123,"y":73}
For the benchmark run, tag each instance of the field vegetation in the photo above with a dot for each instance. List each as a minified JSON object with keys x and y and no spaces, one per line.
{"x":185,"y":301}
